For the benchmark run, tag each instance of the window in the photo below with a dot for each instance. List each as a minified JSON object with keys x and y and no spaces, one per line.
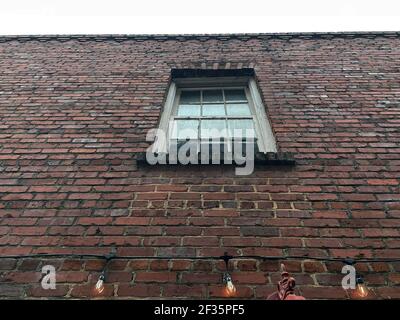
{"x":200,"y":109}
{"x":212,"y":112}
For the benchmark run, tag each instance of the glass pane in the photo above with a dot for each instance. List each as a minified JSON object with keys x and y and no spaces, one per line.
{"x":235,"y":95}
{"x":213,"y":110}
{"x":189,"y":97}
{"x":239,"y":109}
{"x":189,"y":110}
{"x":212,"y":96}
{"x":185,"y":129}
{"x":213,"y":129}
{"x":241,"y":128}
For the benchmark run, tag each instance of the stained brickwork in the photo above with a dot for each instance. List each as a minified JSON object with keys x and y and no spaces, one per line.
{"x":74,"y":112}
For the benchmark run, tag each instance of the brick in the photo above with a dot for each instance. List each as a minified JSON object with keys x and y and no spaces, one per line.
{"x":201,"y":277}
{"x":201,"y":241}
{"x":72,"y":276}
{"x":139,"y":290}
{"x":330,"y":214}
{"x":323,"y":292}
{"x":206,"y":221}
{"x":155,"y":277}
{"x":119,"y":276}
{"x":12,"y":189}
{"x":71,"y":265}
{"x":7,"y":264}
{"x":83,"y":196}
{"x":178,"y":265}
{"x":22,"y":277}
{"x":69,"y":181}
{"x":152,"y":196}
{"x":94,"y":221}
{"x":173,"y":188}
{"x":11,"y":291}
{"x":43,"y":189}
{"x":26,"y":231}
{"x":313,"y":267}
{"x":132,"y":221}
{"x":17,"y":196}
{"x":169,"y":221}
{"x":359,"y":197}
{"x":185,"y":195}
{"x":29,"y":265}
{"x":156,"y":265}
{"x":247,"y":265}
{"x":322,"y":196}
{"x":250,"y":278}
{"x":259,"y":231}
{"x":184,"y":291}
{"x":383,"y":182}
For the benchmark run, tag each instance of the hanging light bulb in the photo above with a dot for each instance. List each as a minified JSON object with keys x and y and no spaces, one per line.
{"x":361,"y":289}
{"x":230,"y":289}
{"x":99,"y":288}
{"x":100,"y":284}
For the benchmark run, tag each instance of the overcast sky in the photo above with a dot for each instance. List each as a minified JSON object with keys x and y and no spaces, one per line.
{"x":196,"y":16}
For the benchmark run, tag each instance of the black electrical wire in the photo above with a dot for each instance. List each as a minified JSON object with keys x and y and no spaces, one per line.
{"x":225,"y":257}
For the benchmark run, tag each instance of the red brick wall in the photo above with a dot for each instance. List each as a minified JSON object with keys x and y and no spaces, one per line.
{"x":73,"y":113}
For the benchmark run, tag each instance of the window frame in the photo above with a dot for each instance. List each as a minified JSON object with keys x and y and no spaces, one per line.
{"x":265,"y":137}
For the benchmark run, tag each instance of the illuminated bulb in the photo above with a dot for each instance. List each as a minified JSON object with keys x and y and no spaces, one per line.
{"x":361,"y":288}
{"x":230,"y":289}
{"x":100,"y":284}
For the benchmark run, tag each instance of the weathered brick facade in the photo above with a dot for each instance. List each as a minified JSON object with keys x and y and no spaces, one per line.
{"x":74,"y":111}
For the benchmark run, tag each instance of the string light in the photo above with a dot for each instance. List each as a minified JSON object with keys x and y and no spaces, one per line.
{"x":99,"y":288}
{"x":230,"y":289}
{"x":361,"y":288}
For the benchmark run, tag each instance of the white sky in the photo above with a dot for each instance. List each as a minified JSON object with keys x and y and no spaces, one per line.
{"x":196,"y":16}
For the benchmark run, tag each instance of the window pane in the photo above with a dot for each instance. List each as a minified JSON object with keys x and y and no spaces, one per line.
{"x":190,"y":97}
{"x":235,"y":95}
{"x":189,"y":110}
{"x":185,"y":129}
{"x":239,"y":109}
{"x":241,"y":128}
{"x":213,"y":110}
{"x":213,"y":129}
{"x":212,"y":96}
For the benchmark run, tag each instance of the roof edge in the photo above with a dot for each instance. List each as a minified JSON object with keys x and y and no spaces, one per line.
{"x":217,"y":36}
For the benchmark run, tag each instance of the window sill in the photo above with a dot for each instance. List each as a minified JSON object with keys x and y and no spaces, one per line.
{"x":260,"y":158}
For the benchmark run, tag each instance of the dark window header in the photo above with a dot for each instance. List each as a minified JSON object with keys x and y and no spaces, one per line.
{"x":198,"y":73}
